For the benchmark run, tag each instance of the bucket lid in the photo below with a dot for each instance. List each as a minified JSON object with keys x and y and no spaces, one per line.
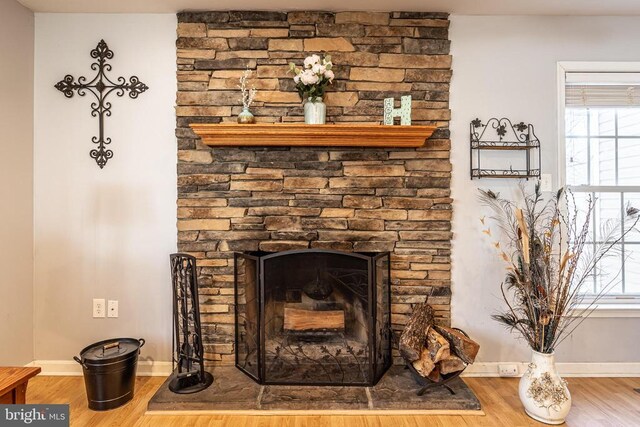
{"x":111,"y":350}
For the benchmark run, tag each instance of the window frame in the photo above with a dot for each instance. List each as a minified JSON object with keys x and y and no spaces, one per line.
{"x":608,"y":305}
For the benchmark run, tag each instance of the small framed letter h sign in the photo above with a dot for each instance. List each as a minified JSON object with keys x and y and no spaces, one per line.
{"x":404,"y":112}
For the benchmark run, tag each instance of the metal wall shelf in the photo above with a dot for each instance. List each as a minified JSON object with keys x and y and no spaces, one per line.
{"x":518,"y":138}
{"x":504,"y":173}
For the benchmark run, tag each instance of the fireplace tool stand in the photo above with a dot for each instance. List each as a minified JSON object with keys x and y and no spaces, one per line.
{"x":188,"y":353}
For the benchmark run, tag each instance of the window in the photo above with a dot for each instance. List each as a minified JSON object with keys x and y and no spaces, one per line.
{"x":601,"y":154}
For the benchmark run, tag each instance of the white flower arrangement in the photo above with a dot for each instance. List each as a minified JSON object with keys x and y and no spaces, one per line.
{"x":316,"y":75}
{"x":247,"y":94}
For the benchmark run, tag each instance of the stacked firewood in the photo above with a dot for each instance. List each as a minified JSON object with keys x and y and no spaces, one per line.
{"x":435,"y":350}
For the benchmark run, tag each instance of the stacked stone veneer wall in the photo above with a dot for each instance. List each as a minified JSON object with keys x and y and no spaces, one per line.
{"x":365,"y":199}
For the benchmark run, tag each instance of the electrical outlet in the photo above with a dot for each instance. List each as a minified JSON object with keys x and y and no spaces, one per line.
{"x":508,"y":370}
{"x":545,"y":182}
{"x":112,"y":308}
{"x":99,"y":307}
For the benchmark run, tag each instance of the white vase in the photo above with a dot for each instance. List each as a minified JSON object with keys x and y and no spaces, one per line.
{"x":543,"y":393}
{"x":315,"y":111}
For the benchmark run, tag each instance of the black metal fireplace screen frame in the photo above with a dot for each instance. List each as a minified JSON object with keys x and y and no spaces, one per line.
{"x":375,"y":372}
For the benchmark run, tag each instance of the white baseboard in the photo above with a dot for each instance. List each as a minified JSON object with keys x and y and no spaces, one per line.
{"x":146,"y":368}
{"x":491,"y":369}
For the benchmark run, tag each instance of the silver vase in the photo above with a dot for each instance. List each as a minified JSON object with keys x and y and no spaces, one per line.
{"x":315,"y":111}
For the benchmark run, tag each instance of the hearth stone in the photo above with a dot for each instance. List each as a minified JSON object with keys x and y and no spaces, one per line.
{"x":323,"y":398}
{"x":233,"y":391}
{"x":397,"y":390}
{"x":230,"y":389}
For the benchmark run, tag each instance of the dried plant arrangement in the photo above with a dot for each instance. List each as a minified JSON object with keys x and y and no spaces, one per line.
{"x":245,"y":116}
{"x":549,"y":261}
{"x":247,"y":93}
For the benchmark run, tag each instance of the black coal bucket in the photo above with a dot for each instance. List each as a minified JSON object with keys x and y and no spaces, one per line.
{"x":109,"y":369}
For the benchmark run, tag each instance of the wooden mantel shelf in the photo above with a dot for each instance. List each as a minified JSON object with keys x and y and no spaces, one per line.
{"x":302,"y":135}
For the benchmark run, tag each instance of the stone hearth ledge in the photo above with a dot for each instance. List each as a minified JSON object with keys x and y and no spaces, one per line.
{"x":234,"y":393}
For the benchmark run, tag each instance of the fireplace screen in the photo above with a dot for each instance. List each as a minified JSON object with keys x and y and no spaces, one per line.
{"x":313,"y":317}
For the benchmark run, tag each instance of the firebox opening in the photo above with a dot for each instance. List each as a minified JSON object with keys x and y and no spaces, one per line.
{"x":313,"y":317}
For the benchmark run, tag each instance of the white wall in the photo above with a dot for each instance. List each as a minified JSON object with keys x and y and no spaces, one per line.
{"x":107,"y":233}
{"x":104,"y":233}
{"x":16,"y":183}
{"x":506,"y":67}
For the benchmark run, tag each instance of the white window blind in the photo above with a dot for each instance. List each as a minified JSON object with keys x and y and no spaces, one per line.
{"x":602,"y":89}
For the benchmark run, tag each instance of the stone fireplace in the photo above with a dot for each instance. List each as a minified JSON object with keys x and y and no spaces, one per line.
{"x":313,"y":316}
{"x":299,"y":198}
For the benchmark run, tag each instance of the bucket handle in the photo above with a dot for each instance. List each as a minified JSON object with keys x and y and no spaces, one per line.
{"x":142,"y":342}
{"x":77,"y":359}
{"x":110,"y":346}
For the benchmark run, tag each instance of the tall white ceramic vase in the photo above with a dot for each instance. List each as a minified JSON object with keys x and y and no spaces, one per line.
{"x":543,"y":393}
{"x":315,"y":111}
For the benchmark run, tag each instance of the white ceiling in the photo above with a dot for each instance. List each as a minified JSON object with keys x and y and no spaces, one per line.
{"x":462,"y":7}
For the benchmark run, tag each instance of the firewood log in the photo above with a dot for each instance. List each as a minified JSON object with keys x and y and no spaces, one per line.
{"x":297,"y":319}
{"x":437,"y":345}
{"x":451,"y":364}
{"x":424,"y":365}
{"x":435,"y":374}
{"x":413,"y":337}
{"x":464,"y":347}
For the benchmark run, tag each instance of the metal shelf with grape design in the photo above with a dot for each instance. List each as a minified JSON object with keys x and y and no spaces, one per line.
{"x":501,"y":134}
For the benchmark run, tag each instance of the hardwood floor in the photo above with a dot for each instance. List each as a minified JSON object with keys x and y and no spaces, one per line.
{"x":596,"y":402}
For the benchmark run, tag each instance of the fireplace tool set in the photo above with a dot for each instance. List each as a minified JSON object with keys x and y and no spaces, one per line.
{"x":188,"y":352}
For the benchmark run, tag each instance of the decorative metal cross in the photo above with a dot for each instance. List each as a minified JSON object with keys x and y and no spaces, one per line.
{"x":101,"y":87}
